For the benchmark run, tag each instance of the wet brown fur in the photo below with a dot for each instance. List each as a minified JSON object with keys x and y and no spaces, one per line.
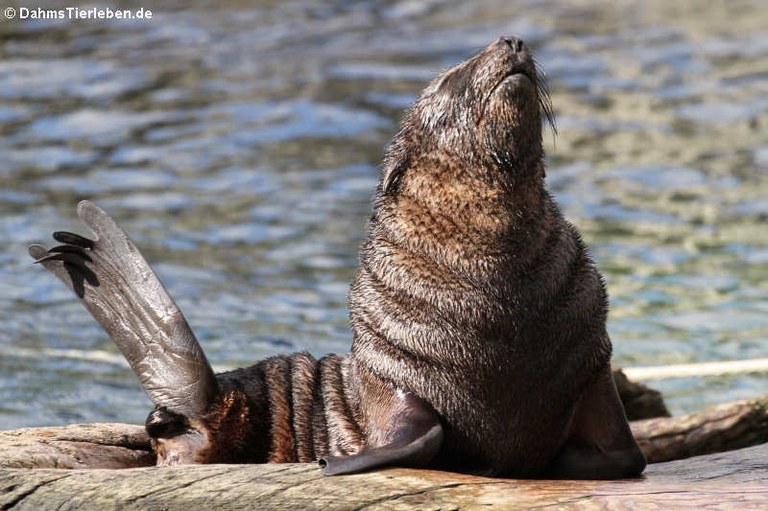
{"x":474,"y":293}
{"x":290,"y":408}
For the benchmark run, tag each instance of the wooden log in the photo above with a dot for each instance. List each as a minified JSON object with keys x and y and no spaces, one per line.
{"x":693,"y":483}
{"x":76,"y":446}
{"x":716,"y":429}
{"x":734,"y":480}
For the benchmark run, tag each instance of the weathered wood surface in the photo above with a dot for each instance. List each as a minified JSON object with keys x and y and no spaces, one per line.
{"x":732,"y":480}
{"x":716,"y":429}
{"x":735,"y":480}
{"x":76,"y":446}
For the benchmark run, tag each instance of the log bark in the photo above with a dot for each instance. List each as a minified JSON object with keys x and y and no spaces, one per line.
{"x":734,"y":480}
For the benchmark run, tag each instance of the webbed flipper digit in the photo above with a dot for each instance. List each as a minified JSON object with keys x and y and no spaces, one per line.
{"x":122,"y":292}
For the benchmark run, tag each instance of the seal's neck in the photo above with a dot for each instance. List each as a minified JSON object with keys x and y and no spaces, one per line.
{"x":486,"y":197}
{"x":468,"y":218}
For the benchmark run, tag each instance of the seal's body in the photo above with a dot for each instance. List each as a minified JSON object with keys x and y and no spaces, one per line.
{"x":478,"y":316}
{"x":515,"y":332}
{"x":474,"y":293}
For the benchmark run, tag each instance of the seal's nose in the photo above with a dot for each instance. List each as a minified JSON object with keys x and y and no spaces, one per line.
{"x":515,"y":43}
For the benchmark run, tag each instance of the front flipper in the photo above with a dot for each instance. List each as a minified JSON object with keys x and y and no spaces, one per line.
{"x":411,"y":438}
{"x":600,"y":444}
{"x":124,"y":295}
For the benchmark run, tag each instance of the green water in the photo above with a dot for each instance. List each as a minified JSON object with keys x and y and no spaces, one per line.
{"x":239,"y":146}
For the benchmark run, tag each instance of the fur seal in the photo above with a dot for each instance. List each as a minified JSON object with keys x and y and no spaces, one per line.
{"x":478,"y":317}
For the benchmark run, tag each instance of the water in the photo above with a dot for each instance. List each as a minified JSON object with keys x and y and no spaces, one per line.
{"x":239,"y":146}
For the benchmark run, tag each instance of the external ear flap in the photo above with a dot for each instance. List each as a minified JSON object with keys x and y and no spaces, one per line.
{"x":395,"y":164}
{"x":390,"y":177}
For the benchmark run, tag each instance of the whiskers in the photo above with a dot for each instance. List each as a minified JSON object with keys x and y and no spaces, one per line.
{"x":545,"y":100}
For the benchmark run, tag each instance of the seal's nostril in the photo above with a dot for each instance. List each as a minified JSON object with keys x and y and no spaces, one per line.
{"x":515,"y":43}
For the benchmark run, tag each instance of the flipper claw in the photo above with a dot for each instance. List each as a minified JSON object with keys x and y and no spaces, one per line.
{"x":71,"y":238}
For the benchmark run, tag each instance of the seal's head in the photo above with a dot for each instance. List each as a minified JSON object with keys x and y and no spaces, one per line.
{"x":485,"y":112}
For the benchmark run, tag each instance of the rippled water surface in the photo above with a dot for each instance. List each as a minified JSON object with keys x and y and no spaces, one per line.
{"x":239,"y":146}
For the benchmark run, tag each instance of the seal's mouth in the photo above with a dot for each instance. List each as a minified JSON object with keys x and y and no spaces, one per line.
{"x":518,"y":79}
{"x":516,"y":76}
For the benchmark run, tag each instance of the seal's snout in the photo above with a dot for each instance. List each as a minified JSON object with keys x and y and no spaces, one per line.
{"x":511,"y":51}
{"x":513,"y":43}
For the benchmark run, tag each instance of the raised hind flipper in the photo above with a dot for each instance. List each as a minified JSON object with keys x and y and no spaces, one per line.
{"x":412,"y":436}
{"x":124,"y":295}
